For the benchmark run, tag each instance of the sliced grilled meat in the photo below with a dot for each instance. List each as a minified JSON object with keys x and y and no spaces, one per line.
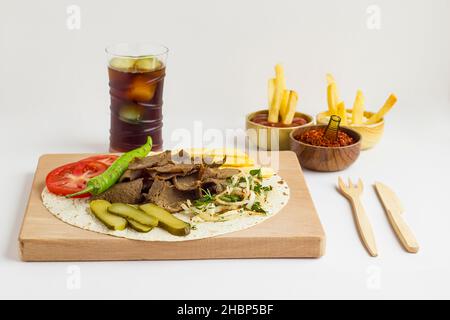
{"x":154,"y":175}
{"x":124,"y":192}
{"x":216,"y":173}
{"x":165,"y":195}
{"x":160,"y":159}
{"x":182,"y":169}
{"x":131,"y":175}
{"x":214,"y":185}
{"x":189,"y":182}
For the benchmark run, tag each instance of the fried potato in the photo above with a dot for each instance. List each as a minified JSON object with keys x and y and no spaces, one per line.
{"x":342,"y":113}
{"x":390,"y":102}
{"x":331,"y":96}
{"x":292,"y":106}
{"x":331,"y":80}
{"x":358,"y":108}
{"x":280,"y":84}
{"x":284,"y":104}
{"x":238,"y":162}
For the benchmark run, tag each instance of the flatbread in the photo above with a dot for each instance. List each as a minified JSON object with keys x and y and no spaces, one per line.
{"x":76,"y":212}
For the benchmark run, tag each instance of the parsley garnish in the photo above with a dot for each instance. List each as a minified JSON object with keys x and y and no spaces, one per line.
{"x":258,"y":188}
{"x":206,"y":199}
{"x":242,"y":180}
{"x":256,"y":173}
{"x":231,"y":198}
{"x":257,"y":207}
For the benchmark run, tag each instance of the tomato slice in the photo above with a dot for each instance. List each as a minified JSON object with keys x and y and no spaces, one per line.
{"x":107,"y":159}
{"x":72,"y":177}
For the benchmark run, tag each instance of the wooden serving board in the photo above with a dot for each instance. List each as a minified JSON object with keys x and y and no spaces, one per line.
{"x":295,"y":232}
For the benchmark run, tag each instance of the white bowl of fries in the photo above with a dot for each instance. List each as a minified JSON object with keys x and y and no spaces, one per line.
{"x":370,"y":125}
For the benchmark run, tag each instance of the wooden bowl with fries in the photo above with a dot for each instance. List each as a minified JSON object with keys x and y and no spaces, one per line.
{"x":369,"y":125}
{"x":270,"y":129}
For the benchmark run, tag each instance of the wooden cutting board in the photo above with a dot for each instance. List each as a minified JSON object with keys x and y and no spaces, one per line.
{"x":295,"y":232}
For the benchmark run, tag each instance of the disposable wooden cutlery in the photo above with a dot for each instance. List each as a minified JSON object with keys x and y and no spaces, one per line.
{"x":353,"y":193}
{"x":394,"y":211}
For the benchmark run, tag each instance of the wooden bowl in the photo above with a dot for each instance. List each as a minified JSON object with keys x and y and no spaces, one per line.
{"x":371,"y":133}
{"x":272,"y":138}
{"x":325,"y":159}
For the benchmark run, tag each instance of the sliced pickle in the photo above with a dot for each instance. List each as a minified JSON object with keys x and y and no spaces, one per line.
{"x":166,"y":220}
{"x":123,"y":64}
{"x":99,"y":209}
{"x":139,"y":227}
{"x":148,"y":64}
{"x":130,"y":213}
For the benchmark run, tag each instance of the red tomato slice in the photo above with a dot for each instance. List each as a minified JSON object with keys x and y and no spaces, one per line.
{"x":72,"y":177}
{"x":107,"y":159}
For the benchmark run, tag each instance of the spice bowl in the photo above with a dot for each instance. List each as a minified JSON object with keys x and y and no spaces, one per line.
{"x":273,"y":138}
{"x":325,"y":159}
{"x":371,"y":134}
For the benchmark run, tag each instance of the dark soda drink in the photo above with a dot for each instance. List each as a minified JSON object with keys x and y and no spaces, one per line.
{"x":136,"y":89}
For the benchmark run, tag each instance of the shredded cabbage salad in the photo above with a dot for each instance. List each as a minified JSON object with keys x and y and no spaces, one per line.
{"x":244,"y":194}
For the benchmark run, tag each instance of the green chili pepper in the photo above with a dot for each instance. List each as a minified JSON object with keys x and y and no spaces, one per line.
{"x":108,"y":178}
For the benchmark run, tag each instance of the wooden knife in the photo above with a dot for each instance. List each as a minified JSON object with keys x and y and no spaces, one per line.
{"x":394,"y":211}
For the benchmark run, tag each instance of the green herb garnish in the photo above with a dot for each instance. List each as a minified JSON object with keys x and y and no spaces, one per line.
{"x":256,"y":173}
{"x":257,"y":208}
{"x":258,"y":188}
{"x":242,"y":180}
{"x":230,"y":198}
{"x":206,"y":199}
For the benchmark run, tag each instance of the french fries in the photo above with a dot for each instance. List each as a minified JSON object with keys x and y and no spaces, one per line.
{"x":342,"y":113}
{"x":331,"y":80}
{"x":331,"y":95}
{"x":336,"y":106}
{"x":358,"y":108}
{"x":390,"y":102}
{"x":274,"y":110}
{"x":282,"y":102}
{"x":291,"y":106}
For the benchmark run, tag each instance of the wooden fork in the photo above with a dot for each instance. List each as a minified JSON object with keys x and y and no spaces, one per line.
{"x":353,"y":193}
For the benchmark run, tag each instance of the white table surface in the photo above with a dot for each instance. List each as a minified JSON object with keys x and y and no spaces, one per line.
{"x":54,"y":99}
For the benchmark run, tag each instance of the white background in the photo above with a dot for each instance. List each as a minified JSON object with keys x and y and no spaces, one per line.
{"x":54,"y":99}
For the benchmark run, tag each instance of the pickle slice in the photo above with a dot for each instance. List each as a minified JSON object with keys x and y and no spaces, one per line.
{"x":99,"y":209}
{"x":130,"y":213}
{"x":139,"y":227}
{"x":166,"y":220}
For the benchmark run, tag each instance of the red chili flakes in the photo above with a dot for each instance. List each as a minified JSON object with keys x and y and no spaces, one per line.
{"x":316,"y":137}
